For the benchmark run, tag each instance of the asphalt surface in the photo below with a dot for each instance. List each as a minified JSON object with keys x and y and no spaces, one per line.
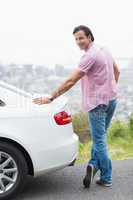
{"x":66,"y":184}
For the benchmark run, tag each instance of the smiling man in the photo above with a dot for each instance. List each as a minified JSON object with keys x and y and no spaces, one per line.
{"x":99,"y":75}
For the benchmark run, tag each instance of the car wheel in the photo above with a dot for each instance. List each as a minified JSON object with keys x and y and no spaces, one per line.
{"x":13,"y":170}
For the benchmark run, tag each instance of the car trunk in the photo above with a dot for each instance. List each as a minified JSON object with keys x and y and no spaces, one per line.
{"x":12,"y":97}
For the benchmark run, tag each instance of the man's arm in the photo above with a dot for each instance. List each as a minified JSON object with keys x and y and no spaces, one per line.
{"x":116,"y":71}
{"x":68,"y":83}
{"x":86,"y":62}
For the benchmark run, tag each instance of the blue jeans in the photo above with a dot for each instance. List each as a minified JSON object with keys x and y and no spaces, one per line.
{"x":99,"y":121}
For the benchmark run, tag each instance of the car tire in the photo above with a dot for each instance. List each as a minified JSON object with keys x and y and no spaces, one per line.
{"x":13,"y":170}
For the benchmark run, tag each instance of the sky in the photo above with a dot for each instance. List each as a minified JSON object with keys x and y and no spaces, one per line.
{"x":40,"y":31}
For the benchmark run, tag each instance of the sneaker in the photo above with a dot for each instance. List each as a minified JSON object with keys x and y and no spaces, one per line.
{"x":102,"y":183}
{"x":90,"y":173}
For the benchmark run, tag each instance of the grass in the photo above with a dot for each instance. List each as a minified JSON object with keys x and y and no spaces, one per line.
{"x":120,"y":138}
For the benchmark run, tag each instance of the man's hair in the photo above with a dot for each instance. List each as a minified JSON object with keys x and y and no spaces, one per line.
{"x":86,"y":30}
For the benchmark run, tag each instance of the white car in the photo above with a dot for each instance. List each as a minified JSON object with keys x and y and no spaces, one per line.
{"x":34,"y":139}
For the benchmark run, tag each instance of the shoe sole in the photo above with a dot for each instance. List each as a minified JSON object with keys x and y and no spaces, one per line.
{"x":104,"y":184}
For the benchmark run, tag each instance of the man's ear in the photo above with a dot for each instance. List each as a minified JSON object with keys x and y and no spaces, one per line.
{"x":89,"y":37}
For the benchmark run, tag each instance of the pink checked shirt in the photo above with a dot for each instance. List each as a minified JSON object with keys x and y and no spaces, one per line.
{"x":98,"y":85}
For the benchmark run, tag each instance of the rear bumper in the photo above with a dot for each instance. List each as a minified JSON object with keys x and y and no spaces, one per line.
{"x":73,"y":162}
{"x":60,"y":157}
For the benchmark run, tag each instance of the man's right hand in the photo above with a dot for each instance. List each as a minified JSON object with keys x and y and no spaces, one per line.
{"x":116,"y":71}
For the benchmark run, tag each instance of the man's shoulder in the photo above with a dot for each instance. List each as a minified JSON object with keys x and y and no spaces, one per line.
{"x":108,"y":52}
{"x":104,"y":47}
{"x":92,"y":52}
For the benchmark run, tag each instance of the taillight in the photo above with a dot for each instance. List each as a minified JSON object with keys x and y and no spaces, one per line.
{"x":62,"y":118}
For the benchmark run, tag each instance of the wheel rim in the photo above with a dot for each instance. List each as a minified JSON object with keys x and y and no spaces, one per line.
{"x":8,"y":172}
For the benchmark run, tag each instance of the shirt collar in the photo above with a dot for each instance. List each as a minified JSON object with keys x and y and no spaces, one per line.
{"x":89,"y":46}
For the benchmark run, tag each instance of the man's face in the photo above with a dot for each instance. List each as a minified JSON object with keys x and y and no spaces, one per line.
{"x":82,"y":40}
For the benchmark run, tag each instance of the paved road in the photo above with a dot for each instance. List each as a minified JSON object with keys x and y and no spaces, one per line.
{"x":66,"y":184}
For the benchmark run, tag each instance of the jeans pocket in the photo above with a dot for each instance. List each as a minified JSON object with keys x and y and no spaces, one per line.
{"x":103,"y":106}
{"x":98,"y":111}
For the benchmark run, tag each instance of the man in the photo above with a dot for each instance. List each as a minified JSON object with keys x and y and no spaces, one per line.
{"x":99,"y":75}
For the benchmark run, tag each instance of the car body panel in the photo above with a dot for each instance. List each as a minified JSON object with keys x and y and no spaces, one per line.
{"x":49,"y":145}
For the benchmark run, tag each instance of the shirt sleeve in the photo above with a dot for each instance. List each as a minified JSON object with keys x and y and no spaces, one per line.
{"x":86,"y":62}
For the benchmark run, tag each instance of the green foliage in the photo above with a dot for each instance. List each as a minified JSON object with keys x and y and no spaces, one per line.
{"x":120,"y":137}
{"x":118,"y":129}
{"x":130,"y":124}
{"x":80,"y":121}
